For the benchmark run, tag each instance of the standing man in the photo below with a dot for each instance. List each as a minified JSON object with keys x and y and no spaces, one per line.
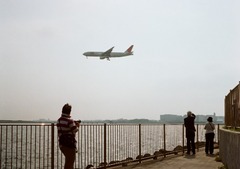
{"x":67,"y":129}
{"x":190,"y":132}
{"x":209,"y":127}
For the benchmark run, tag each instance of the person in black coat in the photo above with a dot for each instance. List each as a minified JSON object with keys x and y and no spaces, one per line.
{"x":190,"y":131}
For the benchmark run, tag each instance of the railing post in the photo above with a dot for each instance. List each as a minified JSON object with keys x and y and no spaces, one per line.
{"x":183,"y":139}
{"x":197,"y":139}
{"x":1,"y":145}
{"x":105,"y":145}
{"x":164,"y":142}
{"x":235,"y":112}
{"x":52,"y":146}
{"x":218,"y":134}
{"x":140,"y":144}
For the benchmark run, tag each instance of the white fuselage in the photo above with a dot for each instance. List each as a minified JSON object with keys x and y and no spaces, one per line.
{"x":109,"y":54}
{"x":112,"y":54}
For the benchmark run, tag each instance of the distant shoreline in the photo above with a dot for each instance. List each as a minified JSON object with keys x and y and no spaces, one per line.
{"x":25,"y":121}
{"x":119,"y":121}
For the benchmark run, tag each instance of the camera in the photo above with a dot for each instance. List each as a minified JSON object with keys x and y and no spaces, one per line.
{"x":78,"y":121}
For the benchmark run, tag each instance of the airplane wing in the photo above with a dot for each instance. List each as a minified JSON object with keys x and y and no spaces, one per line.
{"x":106,"y":54}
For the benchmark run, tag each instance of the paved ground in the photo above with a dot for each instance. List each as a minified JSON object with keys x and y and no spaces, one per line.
{"x":199,"y":161}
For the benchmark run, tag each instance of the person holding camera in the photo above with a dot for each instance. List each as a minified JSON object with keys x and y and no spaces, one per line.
{"x":209,"y":135}
{"x":190,"y":132}
{"x":67,"y":129}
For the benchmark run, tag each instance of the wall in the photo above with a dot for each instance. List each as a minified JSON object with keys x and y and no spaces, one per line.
{"x":230,"y":148}
{"x":232,"y":107}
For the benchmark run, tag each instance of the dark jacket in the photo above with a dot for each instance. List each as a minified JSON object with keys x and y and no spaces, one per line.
{"x":189,"y":124}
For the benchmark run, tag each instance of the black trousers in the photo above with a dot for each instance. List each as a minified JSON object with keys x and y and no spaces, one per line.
{"x":209,"y":143}
{"x":190,"y":144}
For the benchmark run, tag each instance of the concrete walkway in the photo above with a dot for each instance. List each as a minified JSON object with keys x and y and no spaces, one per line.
{"x":199,"y":161}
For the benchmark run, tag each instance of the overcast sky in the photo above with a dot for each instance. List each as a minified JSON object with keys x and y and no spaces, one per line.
{"x":186,"y":57}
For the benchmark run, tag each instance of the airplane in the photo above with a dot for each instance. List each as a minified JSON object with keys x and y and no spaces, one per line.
{"x":109,"y":54}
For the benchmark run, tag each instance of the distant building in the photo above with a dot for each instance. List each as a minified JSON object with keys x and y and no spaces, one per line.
{"x":219,"y":120}
{"x":171,"y":118}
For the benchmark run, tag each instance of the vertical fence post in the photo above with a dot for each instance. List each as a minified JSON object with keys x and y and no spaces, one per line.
{"x":230,"y":113}
{"x":183,"y":139}
{"x":105,"y":145}
{"x":225,"y":111}
{"x":234,"y":112}
{"x":218,"y":134}
{"x":140,"y":144}
{"x":164,"y":141}
{"x":52,"y":146}
{"x":1,"y":145}
{"x":197,"y":139}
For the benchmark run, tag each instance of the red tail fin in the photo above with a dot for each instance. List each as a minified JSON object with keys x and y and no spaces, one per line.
{"x":129,"y":50}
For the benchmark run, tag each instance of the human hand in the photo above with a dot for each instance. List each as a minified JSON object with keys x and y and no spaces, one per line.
{"x":77,"y":123}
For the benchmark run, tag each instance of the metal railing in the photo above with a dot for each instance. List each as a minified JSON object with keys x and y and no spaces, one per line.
{"x":35,"y":146}
{"x":232,"y":107}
